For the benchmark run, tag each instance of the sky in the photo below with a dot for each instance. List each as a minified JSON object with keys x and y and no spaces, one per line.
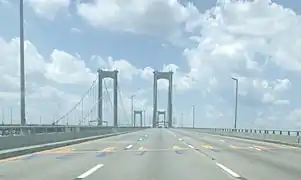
{"x":204,"y":43}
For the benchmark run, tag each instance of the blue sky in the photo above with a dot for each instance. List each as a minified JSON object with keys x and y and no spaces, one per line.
{"x":182,"y":36}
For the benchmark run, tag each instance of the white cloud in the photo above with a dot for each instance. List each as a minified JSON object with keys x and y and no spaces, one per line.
{"x":127,"y":70}
{"x":268,"y":98}
{"x":256,"y":41}
{"x":282,"y":84}
{"x":234,"y":33}
{"x":49,"y":8}
{"x":5,"y":2}
{"x":65,"y":68}
{"x":60,"y":70}
{"x":75,"y":30}
{"x":157,"y":17}
{"x":147,"y":73}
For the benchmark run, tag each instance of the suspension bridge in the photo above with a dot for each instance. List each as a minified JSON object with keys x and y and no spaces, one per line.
{"x":96,"y":107}
{"x":97,"y":138}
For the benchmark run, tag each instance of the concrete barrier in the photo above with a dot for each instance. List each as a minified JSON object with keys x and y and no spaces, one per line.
{"x":8,"y":153}
{"x":273,"y":138}
{"x":10,"y":142}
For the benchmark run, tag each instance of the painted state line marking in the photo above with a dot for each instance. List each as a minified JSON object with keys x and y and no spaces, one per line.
{"x":90,"y":171}
{"x":232,"y":173}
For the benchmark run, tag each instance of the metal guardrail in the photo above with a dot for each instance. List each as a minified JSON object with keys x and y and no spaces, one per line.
{"x":17,"y":130}
{"x":256,"y":131}
{"x":277,"y":136}
{"x":36,"y":135}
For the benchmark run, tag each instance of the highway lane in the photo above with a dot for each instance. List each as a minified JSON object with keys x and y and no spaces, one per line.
{"x":64,"y":163}
{"x":159,"y":154}
{"x":153,"y":154}
{"x":248,"y":158}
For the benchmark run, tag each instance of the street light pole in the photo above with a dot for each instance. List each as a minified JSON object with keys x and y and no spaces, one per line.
{"x":193,"y":116}
{"x":132,"y":109}
{"x":144,"y":121}
{"x":182,"y":119}
{"x":22,"y":74}
{"x":236,"y":98}
{"x":11,"y":115}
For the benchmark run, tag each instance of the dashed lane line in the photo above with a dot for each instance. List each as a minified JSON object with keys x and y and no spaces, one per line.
{"x":90,"y":171}
{"x":189,"y":145}
{"x":128,"y":147}
{"x":229,"y":171}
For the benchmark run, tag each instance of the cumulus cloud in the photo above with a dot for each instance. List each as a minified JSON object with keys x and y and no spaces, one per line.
{"x":235,"y":33}
{"x":65,"y":68}
{"x":48,"y":81}
{"x":49,"y":8}
{"x":156,"y":17}
{"x":256,"y":41}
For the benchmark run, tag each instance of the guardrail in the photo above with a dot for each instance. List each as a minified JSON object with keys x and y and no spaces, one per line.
{"x":256,"y":131}
{"x":15,"y":130}
{"x":276,"y":136}
{"x":35,"y":135}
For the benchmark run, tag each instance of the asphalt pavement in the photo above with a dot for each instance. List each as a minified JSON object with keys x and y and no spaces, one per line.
{"x":159,"y":154}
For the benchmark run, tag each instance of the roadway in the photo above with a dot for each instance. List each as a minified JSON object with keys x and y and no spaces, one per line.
{"x":159,"y":154}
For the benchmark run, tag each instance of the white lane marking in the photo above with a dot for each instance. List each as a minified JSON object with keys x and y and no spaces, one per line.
{"x":190,"y":146}
{"x":90,"y":171}
{"x":129,"y":146}
{"x":255,"y":148}
{"x":232,"y":173}
{"x":140,"y":139}
{"x":145,"y":135}
{"x":221,"y":140}
{"x":171,"y":133}
{"x":180,"y":139}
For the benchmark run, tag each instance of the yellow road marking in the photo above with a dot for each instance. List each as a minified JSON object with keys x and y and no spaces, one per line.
{"x":13,"y":158}
{"x":57,"y":150}
{"x":176,"y":147}
{"x":207,"y":146}
{"x":141,"y":148}
{"x":108,"y":149}
{"x":150,"y":150}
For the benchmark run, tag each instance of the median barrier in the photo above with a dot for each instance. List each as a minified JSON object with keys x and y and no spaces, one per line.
{"x":10,"y":142}
{"x":259,"y":135}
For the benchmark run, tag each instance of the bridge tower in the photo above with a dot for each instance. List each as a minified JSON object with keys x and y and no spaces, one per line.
{"x":138,"y":112}
{"x":102,"y":74}
{"x":164,"y":117}
{"x":168,"y":76}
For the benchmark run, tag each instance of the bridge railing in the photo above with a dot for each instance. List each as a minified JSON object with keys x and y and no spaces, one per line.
{"x":279,"y":136}
{"x":17,"y":130}
{"x":36,"y":135}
